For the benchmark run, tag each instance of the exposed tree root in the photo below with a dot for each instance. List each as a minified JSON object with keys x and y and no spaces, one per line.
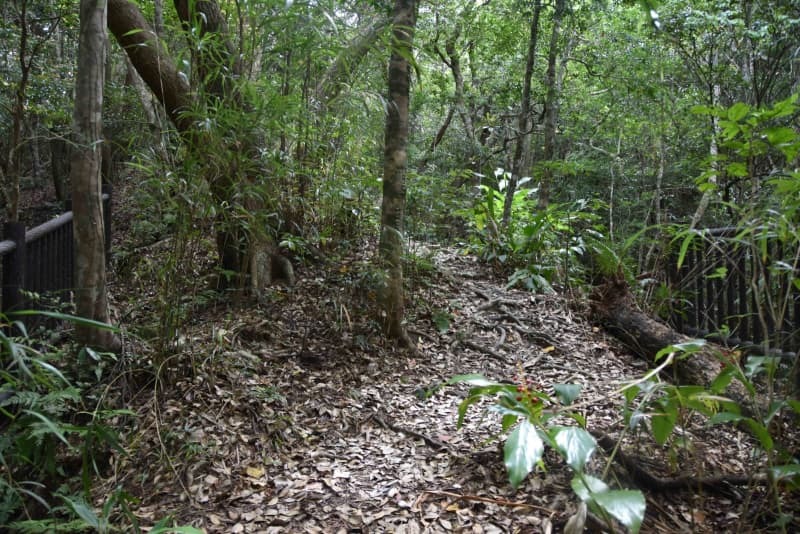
{"x":645,"y":480}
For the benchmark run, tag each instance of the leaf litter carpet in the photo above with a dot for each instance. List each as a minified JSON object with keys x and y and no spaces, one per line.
{"x":292,"y":415}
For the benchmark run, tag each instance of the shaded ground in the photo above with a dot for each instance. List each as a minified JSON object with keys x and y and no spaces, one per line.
{"x":291,"y":415}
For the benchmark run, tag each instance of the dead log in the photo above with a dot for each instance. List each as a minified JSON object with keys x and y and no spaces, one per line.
{"x":614,"y":307}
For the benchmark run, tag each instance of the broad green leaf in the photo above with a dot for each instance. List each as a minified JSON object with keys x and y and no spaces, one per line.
{"x":737,"y":169}
{"x":630,"y":393}
{"x":575,"y":444}
{"x":702,"y":110}
{"x":780,"y":134}
{"x":784,"y":107}
{"x":722,"y":380}
{"x":724,"y":417}
{"x":522,"y":451}
{"x":83,"y":511}
{"x":508,"y":420}
{"x":663,"y":423}
{"x":567,"y":393}
{"x":687,"y":240}
{"x":761,"y":432}
{"x":738,"y":111}
{"x":585,"y":486}
{"x":628,"y":506}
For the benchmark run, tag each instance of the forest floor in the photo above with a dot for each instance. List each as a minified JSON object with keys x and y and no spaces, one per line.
{"x":291,"y":414}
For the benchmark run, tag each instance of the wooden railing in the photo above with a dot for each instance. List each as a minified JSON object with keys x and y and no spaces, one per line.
{"x":741,"y":290}
{"x":40,"y":261}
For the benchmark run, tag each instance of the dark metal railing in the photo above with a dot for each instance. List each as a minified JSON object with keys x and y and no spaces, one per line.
{"x":38,"y":264}
{"x":741,"y":289}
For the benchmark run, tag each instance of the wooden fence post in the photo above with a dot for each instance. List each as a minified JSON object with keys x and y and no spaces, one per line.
{"x":13,"y":267}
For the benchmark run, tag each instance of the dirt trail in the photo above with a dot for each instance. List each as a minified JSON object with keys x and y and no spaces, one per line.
{"x":293,"y":416}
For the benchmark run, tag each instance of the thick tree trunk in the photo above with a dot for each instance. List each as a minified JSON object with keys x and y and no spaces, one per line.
{"x":521,"y":160}
{"x":87,"y":207}
{"x":152,"y":62}
{"x":614,"y":306}
{"x":217,"y":67}
{"x":395,"y":164}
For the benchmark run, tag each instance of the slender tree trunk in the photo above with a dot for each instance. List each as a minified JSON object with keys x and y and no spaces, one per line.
{"x":395,"y":164}
{"x":87,"y":207}
{"x":423,"y":164}
{"x":713,"y":149}
{"x":37,"y":170}
{"x":11,"y":173}
{"x":551,"y":107}
{"x":452,"y":59}
{"x":522,"y":149}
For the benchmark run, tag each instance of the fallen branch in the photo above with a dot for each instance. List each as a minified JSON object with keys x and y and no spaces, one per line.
{"x":646,"y":480}
{"x":486,"y":350}
{"x":433,"y":443}
{"x":614,"y":306}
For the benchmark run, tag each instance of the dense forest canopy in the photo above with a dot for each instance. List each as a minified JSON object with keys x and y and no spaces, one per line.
{"x":623,"y":96}
{"x":567,"y":144}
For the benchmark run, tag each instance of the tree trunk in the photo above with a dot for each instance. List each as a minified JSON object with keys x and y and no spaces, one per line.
{"x":337,"y":75}
{"x":152,"y":62}
{"x":522,"y":150}
{"x":395,"y":165}
{"x":551,"y":108}
{"x":87,"y":207}
{"x":217,"y":68}
{"x":11,"y":174}
{"x":713,"y":151}
{"x":451,"y":57}
{"x":614,"y":306}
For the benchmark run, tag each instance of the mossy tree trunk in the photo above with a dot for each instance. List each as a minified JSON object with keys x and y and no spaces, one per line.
{"x":394,"y":170}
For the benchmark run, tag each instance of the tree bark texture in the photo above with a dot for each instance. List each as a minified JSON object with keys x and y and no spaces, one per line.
{"x":395,"y":166}
{"x":217,"y":64}
{"x":522,"y":149}
{"x":87,"y":207}
{"x":156,"y":68}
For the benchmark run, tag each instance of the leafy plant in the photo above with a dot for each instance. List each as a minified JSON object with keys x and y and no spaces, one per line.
{"x":542,"y":246}
{"x":39,"y":405}
{"x":526,"y":414}
{"x":664,"y":407}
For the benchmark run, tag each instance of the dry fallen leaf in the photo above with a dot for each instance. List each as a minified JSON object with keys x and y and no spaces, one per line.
{"x":255,"y":472}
